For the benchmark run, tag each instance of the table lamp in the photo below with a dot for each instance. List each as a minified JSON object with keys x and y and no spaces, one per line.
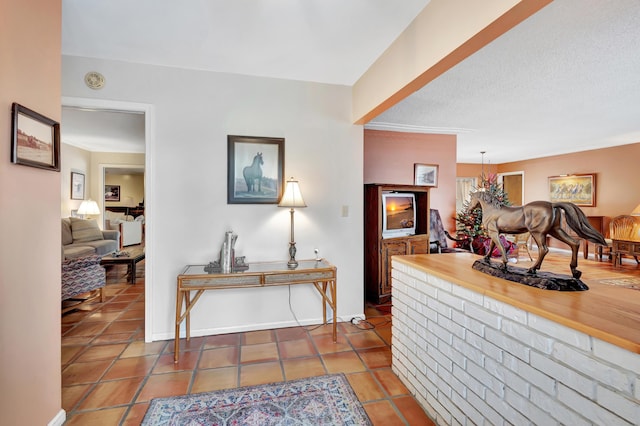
{"x":292,"y":198}
{"x":636,"y":211}
{"x":88,"y":208}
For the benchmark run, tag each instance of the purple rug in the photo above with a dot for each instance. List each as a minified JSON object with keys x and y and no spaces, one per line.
{"x":323,"y":400}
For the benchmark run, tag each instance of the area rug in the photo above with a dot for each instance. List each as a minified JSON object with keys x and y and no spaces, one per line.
{"x":323,"y":400}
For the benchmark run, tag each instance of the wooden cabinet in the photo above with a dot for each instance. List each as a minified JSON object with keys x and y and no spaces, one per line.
{"x":397,"y":247}
{"x":377,"y":250}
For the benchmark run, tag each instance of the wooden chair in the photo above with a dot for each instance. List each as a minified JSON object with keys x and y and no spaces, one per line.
{"x":624,"y":228}
{"x":522,"y":240}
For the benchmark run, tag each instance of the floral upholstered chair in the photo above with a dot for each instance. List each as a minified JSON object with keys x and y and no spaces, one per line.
{"x":82,"y":276}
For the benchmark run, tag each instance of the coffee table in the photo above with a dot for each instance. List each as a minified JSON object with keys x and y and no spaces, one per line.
{"x":134,"y":255}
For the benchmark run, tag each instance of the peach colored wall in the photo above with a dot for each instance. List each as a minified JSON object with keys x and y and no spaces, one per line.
{"x":474,"y":170}
{"x":389,"y":158}
{"x":30,"y":74}
{"x":617,"y":182}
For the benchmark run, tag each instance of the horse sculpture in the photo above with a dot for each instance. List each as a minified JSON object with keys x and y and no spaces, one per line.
{"x":540,"y":218}
{"x":253,"y":173}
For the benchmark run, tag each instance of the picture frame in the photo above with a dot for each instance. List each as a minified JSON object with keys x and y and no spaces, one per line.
{"x":579,"y":189}
{"x":425,"y":174}
{"x":77,"y":186}
{"x":35,"y":139}
{"x":112,"y":192}
{"x":255,"y":169}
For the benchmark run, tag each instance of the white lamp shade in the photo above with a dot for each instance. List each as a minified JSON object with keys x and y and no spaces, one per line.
{"x":636,"y":211}
{"x":292,"y":196}
{"x":88,"y":207}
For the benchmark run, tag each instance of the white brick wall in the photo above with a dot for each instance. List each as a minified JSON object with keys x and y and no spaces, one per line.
{"x":470,"y":359}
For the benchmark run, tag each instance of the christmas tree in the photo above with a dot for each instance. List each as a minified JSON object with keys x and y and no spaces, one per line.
{"x":469,"y":220}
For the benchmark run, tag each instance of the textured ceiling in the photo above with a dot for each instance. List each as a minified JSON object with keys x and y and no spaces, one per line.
{"x":565,"y":80}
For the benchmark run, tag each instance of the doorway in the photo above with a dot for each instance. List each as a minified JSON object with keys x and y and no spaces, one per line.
{"x":145,"y":113}
{"x":513,"y":185}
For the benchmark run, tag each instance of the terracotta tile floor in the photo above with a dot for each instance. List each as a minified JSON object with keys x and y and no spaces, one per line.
{"x":109,"y":374}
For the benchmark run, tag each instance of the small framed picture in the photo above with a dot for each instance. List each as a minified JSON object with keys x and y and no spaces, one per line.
{"x":255,"y":169}
{"x":77,"y":186}
{"x":35,"y":139}
{"x":425,"y":174}
{"x":112,"y":192}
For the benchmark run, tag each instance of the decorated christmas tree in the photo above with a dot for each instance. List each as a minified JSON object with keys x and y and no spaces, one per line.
{"x":469,"y":220}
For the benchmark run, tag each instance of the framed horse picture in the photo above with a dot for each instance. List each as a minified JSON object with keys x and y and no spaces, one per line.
{"x":255,"y":169}
{"x":578,"y":189}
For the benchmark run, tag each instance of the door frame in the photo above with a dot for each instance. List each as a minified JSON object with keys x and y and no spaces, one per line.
{"x":149,"y":136}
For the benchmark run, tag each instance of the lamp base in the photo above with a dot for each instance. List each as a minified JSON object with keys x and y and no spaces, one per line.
{"x":292,"y":263}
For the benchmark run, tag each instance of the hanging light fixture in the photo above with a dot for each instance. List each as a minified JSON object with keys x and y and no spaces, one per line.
{"x":482,"y":177}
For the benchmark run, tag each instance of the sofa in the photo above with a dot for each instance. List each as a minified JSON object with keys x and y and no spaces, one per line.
{"x":83,"y":237}
{"x":131,"y":230}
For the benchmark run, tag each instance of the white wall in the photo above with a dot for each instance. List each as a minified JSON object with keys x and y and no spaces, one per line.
{"x":186,"y":196}
{"x":73,"y":159}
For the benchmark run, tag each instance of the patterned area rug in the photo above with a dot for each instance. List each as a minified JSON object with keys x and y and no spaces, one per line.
{"x":324,"y":400}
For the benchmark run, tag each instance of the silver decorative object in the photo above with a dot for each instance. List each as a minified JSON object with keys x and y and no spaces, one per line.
{"x":227,"y":262}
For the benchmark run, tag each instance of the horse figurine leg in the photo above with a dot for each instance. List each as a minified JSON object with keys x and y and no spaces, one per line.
{"x":562,"y":235}
{"x":541,"y":242}
{"x":495,"y":241}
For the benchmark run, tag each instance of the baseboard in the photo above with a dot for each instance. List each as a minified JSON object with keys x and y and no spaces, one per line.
{"x":59,"y":419}
{"x":249,"y":327}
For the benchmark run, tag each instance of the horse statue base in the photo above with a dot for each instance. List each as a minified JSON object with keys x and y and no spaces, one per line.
{"x":542,"y":280}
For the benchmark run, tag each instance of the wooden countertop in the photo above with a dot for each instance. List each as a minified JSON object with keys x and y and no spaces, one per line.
{"x":610,"y":313}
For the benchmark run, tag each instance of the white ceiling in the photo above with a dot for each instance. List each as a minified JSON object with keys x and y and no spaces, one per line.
{"x":565,"y":80}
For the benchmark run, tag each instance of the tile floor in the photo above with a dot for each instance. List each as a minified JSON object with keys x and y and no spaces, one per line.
{"x":109,"y":374}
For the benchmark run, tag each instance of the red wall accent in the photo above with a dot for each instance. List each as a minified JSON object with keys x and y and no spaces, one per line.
{"x":389,"y":158}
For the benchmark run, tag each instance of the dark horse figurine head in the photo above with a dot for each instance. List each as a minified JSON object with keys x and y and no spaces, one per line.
{"x":540,"y":218}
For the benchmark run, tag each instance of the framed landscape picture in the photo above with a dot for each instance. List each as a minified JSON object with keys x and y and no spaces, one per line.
{"x":425,"y":174}
{"x":255,"y":169}
{"x":577,"y":189}
{"x":77,"y":186}
{"x":35,"y":139}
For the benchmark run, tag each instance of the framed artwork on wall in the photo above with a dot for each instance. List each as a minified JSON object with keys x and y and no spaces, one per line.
{"x":77,"y":186}
{"x":35,"y":139}
{"x":255,"y":169}
{"x":577,"y":189}
{"x":425,"y":174}
{"x":112,"y":192}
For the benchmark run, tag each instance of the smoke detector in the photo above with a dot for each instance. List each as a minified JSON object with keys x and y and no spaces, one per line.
{"x":94,"y":80}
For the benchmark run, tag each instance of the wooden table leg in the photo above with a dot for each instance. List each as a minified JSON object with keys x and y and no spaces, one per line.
{"x":334,"y":299}
{"x":176,"y":341}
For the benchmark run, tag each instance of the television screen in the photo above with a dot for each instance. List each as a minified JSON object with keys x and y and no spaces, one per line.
{"x":398,"y":214}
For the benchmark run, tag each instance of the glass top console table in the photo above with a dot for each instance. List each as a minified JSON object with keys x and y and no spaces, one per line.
{"x":195,"y":278}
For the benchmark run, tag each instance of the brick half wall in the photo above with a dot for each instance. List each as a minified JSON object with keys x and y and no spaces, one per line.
{"x":470,"y":359}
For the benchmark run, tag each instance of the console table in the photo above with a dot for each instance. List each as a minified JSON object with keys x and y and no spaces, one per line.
{"x":194,"y":278}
